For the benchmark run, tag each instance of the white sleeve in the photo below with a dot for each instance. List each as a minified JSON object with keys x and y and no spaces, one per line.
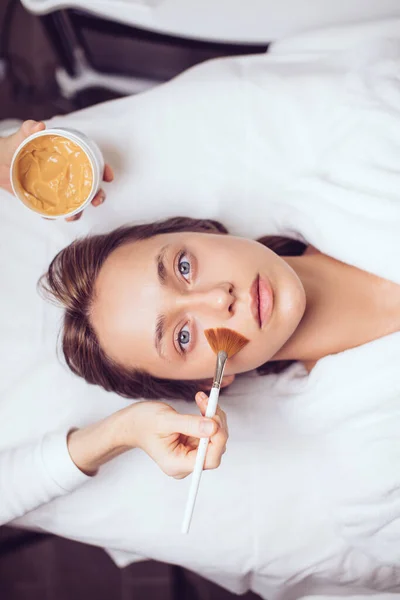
{"x":34,"y":474}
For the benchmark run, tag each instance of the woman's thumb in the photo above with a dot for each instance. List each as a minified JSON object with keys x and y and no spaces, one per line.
{"x":194,"y":426}
{"x":26,"y":129}
{"x":30,"y":126}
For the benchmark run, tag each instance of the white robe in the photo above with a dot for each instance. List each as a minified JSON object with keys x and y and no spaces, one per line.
{"x":304,"y":141}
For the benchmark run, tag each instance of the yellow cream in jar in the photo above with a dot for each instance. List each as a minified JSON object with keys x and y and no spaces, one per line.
{"x":54,"y":175}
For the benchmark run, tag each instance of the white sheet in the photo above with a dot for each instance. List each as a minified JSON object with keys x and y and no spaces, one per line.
{"x":308,"y":494}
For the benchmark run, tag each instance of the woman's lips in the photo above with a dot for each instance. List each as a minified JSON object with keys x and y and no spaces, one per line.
{"x":266,"y":300}
{"x":261,"y":300}
{"x":255,"y":300}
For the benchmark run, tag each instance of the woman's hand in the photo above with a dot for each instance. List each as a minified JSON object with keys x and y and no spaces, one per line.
{"x":171,"y":439}
{"x":9,"y":145}
{"x":168,"y":437}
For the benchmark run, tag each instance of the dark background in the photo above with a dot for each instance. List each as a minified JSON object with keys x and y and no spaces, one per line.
{"x":45,"y":567}
{"x":34,"y":46}
{"x":41,"y":567}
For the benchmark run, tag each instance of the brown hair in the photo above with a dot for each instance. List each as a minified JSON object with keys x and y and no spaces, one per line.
{"x":70,"y":281}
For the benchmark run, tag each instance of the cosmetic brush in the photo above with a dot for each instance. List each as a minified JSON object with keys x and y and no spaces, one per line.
{"x":225,"y":343}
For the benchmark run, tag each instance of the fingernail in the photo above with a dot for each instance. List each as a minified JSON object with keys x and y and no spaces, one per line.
{"x":206,"y":427}
{"x":203,"y":396}
{"x":102,"y":197}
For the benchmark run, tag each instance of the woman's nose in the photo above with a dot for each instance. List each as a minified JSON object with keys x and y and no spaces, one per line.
{"x":218,"y":299}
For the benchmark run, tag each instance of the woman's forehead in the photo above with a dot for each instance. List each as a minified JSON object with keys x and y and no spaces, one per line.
{"x":126,"y":298}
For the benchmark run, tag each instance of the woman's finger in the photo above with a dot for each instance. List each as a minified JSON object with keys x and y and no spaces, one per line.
{"x":108,"y":174}
{"x":97,"y":201}
{"x":216,"y":448}
{"x":222,"y":415}
{"x":190,"y":425}
{"x":10,"y":144}
{"x":202,"y":401}
{"x":217,"y":445}
{"x":181,"y":464}
{"x":221,"y":422}
{"x":74,"y":217}
{"x":30,"y":126}
{"x":180,"y":467}
{"x":99,"y":198}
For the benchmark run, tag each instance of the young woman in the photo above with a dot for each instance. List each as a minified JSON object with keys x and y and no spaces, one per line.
{"x":138,"y":300}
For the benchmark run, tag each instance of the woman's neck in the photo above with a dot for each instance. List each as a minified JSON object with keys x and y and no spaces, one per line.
{"x":345,"y":307}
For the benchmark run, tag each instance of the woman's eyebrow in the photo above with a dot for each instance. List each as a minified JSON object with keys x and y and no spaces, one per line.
{"x":160,"y":264}
{"x":159,"y":333}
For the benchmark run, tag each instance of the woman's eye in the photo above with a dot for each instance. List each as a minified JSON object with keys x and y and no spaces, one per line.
{"x":184,"y":338}
{"x":184,"y":265}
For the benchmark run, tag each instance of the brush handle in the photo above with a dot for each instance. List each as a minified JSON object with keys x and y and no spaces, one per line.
{"x":199,"y":464}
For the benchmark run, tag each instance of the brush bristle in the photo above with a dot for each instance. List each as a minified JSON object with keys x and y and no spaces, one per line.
{"x":225,"y":339}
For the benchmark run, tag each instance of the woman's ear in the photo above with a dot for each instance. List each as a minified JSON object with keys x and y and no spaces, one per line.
{"x":206,"y":384}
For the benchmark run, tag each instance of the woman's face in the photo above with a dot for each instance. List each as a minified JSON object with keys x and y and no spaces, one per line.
{"x":154,"y":299}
